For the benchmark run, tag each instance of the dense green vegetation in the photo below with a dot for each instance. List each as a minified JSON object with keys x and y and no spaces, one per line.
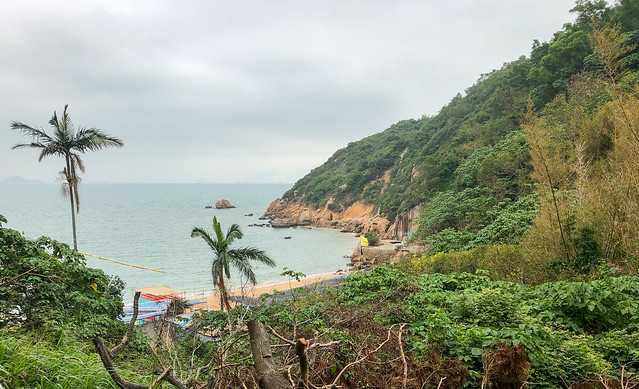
{"x":455,"y":328}
{"x":571,"y":331}
{"x":473,"y":150}
{"x":46,"y":284}
{"x":51,"y":304}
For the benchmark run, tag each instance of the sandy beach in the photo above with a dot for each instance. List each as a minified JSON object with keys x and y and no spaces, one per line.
{"x":211,"y":300}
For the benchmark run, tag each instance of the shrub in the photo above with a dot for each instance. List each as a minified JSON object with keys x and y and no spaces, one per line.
{"x":595,"y":306}
{"x":449,"y":239}
{"x":373,"y":239}
{"x":558,"y":324}
{"x":381,"y":281}
{"x":507,"y":262}
{"x":45,"y":282}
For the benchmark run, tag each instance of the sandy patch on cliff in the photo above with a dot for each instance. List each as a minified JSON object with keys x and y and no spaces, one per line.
{"x":358,"y":210}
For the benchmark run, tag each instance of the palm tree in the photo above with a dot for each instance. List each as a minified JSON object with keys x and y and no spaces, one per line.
{"x":224,"y":257}
{"x":67,"y":143}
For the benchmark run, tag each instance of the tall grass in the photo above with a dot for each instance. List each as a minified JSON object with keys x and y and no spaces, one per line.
{"x":29,"y":362}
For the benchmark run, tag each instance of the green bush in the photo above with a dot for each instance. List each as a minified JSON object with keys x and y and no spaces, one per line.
{"x":506,"y":262}
{"x":448,"y":239}
{"x":47,"y":283}
{"x":601,"y":305}
{"x":463,"y":220}
{"x":382,"y":281}
{"x":572,"y":331}
{"x":373,"y":239}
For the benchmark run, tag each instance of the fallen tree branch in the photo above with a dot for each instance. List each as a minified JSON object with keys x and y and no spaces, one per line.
{"x":10,"y":280}
{"x":129,"y":331}
{"x":160,"y":377}
{"x":106,"y":356}
{"x":334,"y":383}
{"x":287,"y":341}
{"x":328,"y":344}
{"x":401,"y":351}
{"x":290,"y":377}
{"x":170,"y":378}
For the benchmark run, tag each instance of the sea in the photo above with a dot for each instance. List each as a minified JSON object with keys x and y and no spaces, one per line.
{"x":150,"y":225}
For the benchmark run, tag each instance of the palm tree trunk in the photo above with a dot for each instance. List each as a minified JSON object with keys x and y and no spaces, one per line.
{"x":72,"y":200}
{"x":224,"y":298}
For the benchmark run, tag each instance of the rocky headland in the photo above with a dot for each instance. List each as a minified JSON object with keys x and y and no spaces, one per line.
{"x":360,"y":217}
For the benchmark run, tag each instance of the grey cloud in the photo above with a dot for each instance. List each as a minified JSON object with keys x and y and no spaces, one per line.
{"x":274,"y":87}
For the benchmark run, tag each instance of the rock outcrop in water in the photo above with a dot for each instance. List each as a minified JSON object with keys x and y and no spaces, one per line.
{"x":223,"y":204}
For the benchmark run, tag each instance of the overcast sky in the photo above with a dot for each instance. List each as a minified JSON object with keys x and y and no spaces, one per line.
{"x":244,"y":91}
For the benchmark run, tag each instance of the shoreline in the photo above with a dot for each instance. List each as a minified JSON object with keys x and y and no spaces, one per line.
{"x":212,"y":299}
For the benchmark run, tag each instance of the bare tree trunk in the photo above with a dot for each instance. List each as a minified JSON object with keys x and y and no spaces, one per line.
{"x":267,"y":375}
{"x":300,"y":350}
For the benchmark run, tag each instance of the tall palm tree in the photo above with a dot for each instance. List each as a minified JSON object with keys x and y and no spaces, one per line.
{"x":67,"y":143}
{"x":224,"y":257}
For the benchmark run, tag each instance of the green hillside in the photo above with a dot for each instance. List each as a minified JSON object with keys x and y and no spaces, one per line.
{"x":468,"y":165}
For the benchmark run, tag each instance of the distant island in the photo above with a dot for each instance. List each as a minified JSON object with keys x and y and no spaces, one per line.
{"x":17,"y":180}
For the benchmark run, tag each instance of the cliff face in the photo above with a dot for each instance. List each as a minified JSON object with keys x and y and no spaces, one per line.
{"x":359,"y":217}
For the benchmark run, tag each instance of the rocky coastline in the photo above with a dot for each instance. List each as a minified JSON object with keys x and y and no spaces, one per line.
{"x":360,"y":217}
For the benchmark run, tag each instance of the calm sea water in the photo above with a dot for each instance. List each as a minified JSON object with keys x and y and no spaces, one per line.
{"x":150,"y":225}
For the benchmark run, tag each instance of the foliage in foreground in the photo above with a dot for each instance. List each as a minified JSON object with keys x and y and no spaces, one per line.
{"x":28,"y":362}
{"x":452,"y":325}
{"x":45,"y":283}
{"x":572,"y":332}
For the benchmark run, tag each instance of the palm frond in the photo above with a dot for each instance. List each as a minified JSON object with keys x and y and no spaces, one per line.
{"x":37,"y":133}
{"x":251,"y":254}
{"x":66,"y":121}
{"x":61,"y":133}
{"x":93,"y":139}
{"x":64,"y":184}
{"x":51,"y":149}
{"x":217,"y":228}
{"x":76,"y":192}
{"x":227,"y":269}
{"x":35,"y":145}
{"x":233,"y":233}
{"x":216,"y":272}
{"x":54,"y":120}
{"x":245,"y":267}
{"x":202,"y":233}
{"x":77,"y":161}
